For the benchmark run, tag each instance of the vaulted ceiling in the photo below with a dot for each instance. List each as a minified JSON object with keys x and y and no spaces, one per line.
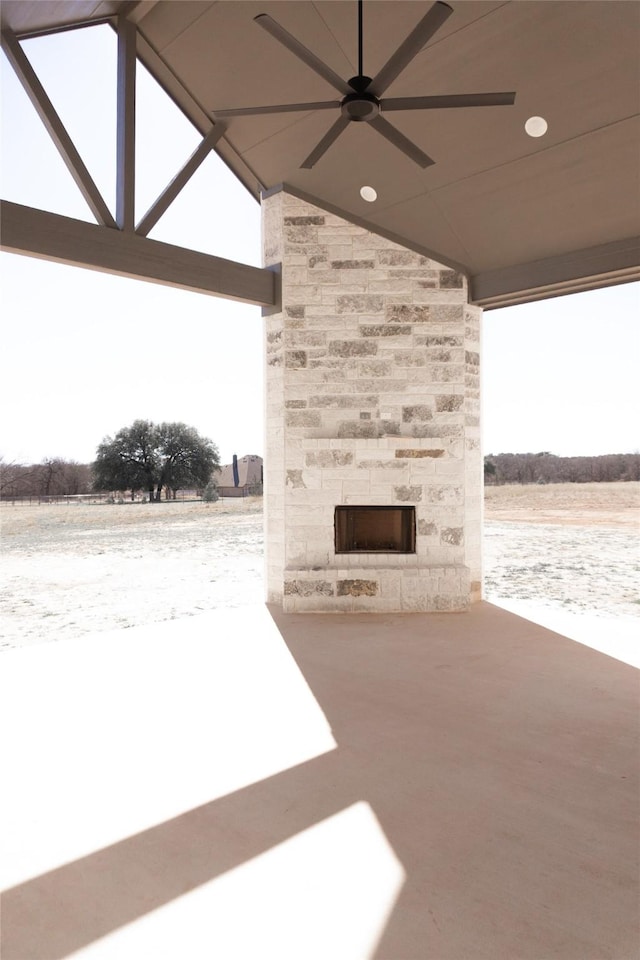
{"x":521,"y":216}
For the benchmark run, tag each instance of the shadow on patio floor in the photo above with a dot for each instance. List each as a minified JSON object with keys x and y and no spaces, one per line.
{"x":486,"y":765}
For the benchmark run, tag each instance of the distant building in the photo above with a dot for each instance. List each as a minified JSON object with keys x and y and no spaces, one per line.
{"x":249,"y":477}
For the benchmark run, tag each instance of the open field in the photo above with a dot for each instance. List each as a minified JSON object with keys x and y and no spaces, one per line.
{"x":572,"y":547}
{"x":593,"y":504}
{"x":71,"y":570}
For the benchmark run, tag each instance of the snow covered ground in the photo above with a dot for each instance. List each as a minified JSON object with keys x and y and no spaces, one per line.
{"x":567,"y":556}
{"x":71,"y":570}
{"x":580,"y":581}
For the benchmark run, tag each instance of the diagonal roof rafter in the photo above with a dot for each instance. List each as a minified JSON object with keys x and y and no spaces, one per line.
{"x":117,"y":244}
{"x":56,"y":129}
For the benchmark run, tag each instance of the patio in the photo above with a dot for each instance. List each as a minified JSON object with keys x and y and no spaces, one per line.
{"x":250,"y":783}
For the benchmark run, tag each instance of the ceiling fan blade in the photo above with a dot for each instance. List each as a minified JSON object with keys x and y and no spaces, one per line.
{"x":301,"y":52}
{"x":330,"y":136}
{"x":278,"y":108}
{"x":400,"y":141}
{"x":430,"y":23}
{"x":449,"y":100}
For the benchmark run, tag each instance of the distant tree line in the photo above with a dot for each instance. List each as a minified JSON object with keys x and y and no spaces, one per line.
{"x":54,"y":477}
{"x":152,"y":457}
{"x":547,"y":468}
{"x":146,"y":459}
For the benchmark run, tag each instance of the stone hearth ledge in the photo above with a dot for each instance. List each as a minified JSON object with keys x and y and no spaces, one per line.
{"x":377,"y":589}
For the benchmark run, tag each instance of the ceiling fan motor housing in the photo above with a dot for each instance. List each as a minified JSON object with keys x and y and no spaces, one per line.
{"x":360,"y":106}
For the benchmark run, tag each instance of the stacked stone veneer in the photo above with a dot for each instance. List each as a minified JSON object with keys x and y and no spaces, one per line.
{"x":372,"y":397}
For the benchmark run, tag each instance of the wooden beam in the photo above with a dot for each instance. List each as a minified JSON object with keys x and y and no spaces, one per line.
{"x":126,"y":125}
{"x":166,"y":198}
{"x":56,"y":129}
{"x":575,"y":272}
{"x":36,"y":233}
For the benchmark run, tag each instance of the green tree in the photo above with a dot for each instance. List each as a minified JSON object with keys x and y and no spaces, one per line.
{"x":149,"y":456}
{"x":210,"y":493}
{"x":489,"y":470}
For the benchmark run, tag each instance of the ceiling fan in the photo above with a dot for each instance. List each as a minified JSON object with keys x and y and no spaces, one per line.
{"x":361,"y":95}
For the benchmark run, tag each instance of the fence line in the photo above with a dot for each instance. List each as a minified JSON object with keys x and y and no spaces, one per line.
{"x":108,"y":498}
{"x":89,"y":498}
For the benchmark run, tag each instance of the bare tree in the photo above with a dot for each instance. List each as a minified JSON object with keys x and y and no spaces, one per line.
{"x":544,"y":467}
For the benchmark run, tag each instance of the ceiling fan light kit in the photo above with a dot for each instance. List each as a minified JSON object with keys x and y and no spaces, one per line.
{"x":362,"y":95}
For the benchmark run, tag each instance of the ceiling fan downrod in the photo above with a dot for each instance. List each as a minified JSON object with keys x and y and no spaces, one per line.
{"x":360,"y":105}
{"x":360,"y":67}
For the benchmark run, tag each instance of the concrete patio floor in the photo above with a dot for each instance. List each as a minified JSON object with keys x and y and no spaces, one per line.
{"x":247,"y":784}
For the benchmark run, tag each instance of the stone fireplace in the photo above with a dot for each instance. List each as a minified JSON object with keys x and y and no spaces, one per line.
{"x":373,"y":469}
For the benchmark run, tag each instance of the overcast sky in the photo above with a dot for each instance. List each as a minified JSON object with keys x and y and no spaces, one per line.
{"x":84,"y":353}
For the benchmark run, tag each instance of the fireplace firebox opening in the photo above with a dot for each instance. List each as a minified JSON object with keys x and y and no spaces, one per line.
{"x":375,"y":529}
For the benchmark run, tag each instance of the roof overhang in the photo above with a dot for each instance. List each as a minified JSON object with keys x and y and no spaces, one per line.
{"x":523,"y":218}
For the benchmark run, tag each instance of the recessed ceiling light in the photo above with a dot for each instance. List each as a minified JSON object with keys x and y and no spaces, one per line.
{"x":536,"y":126}
{"x":368,"y":194}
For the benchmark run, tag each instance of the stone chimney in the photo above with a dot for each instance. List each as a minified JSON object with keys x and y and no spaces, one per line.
{"x":372,"y":400}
